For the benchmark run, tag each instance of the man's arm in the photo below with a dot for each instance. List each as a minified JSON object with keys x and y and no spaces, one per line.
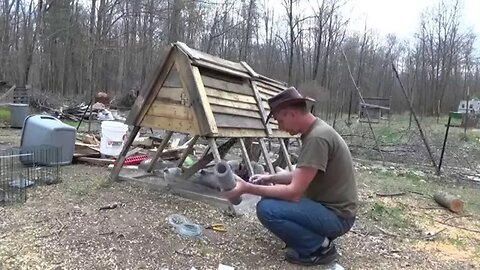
{"x":283,"y":178}
{"x":300,"y":178}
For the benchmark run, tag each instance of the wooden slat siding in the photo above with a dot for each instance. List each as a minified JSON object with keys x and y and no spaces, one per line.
{"x":171,"y":111}
{"x":265,"y":96}
{"x":172,"y":95}
{"x":271,"y":81}
{"x":147,"y":93}
{"x":183,"y":126}
{"x":220,"y":62}
{"x":273,"y":86}
{"x":234,"y":111}
{"x":215,"y":66}
{"x":232,"y":104}
{"x":260,"y":104}
{"x":219,"y":84}
{"x":249,"y":133}
{"x":266,"y":91}
{"x":192,"y":83}
{"x":229,"y":96}
{"x":226,"y":120}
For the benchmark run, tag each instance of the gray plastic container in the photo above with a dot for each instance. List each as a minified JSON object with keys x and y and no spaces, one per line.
{"x":18,"y":114}
{"x":41,"y":130}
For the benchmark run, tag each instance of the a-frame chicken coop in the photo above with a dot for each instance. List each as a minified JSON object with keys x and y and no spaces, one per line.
{"x":205,"y":96}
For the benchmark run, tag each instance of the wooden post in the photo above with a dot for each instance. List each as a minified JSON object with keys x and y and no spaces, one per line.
{"x":410,"y":105}
{"x":444,"y":145}
{"x":214,"y":148}
{"x":467,"y":111}
{"x":246,"y":157}
{"x":188,"y":150}
{"x":265,"y":156}
{"x":123,"y":154}
{"x":366,"y":111}
{"x":159,"y":150}
{"x":285,"y":154}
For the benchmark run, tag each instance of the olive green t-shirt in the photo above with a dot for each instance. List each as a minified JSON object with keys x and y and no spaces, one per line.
{"x":334,"y":184}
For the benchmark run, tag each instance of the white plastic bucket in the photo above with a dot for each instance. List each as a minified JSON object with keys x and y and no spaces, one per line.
{"x":114,"y":135}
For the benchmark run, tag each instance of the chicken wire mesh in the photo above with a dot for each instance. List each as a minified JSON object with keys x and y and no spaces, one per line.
{"x":22,"y":167}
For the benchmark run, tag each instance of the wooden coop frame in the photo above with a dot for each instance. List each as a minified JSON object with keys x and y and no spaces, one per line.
{"x":377,"y":108}
{"x":205,"y":96}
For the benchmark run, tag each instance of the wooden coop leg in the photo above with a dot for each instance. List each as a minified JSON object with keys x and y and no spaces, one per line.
{"x":187,"y":151}
{"x":218,"y":158}
{"x":265,"y":156}
{"x":246,"y":157}
{"x":121,"y":158}
{"x":159,"y":151}
{"x":285,"y":154}
{"x":207,"y":158}
{"x":214,"y":148}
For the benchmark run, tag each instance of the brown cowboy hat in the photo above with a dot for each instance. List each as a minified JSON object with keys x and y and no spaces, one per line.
{"x":287,"y":97}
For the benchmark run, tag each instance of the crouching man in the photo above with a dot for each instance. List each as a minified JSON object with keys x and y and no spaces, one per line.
{"x":317,"y":202}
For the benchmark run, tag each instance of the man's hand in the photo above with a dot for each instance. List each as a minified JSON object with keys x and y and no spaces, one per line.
{"x":239,"y":189}
{"x":261,"y":179}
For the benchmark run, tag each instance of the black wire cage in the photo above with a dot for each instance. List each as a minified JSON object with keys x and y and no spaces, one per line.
{"x":23,"y":167}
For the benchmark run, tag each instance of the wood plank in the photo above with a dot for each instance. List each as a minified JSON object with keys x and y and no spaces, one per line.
{"x":265,"y":96}
{"x":225,"y":120}
{"x":270,"y":86}
{"x":185,"y":126}
{"x":266,"y":91}
{"x":246,"y":158}
{"x":266,"y":156}
{"x":192,"y":82}
{"x":250,"y":133}
{"x":230,"y":96}
{"x":187,"y":151}
{"x":286,"y":155}
{"x":205,"y":105}
{"x":159,"y":150}
{"x":219,"y":61}
{"x":215,"y":66}
{"x":232,"y":104}
{"x":273,"y":82}
{"x":174,"y":96}
{"x":261,"y":108}
{"x":240,"y":86}
{"x":171,"y":111}
{"x":234,"y":111}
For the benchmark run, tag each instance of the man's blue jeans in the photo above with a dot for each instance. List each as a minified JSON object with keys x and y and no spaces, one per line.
{"x":302,"y":225}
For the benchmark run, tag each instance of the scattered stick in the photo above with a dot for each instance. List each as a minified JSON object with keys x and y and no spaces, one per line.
{"x":456,"y":226}
{"x":386,"y":232}
{"x":418,"y":193}
{"x":363,"y":101}
{"x":108,"y":207}
{"x":390,"y":194}
{"x":416,"y":119}
{"x":453,"y":217}
{"x":107,"y":233}
{"x":430,"y":207}
{"x":435,"y":234}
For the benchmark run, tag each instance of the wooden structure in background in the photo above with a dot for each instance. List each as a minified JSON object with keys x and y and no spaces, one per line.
{"x":377,"y":108}
{"x":205,"y":96}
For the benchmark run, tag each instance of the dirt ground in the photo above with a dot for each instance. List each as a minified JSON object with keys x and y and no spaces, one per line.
{"x":61,"y":227}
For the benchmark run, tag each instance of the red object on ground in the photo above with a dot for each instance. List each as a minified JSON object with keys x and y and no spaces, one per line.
{"x":134,"y":160}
